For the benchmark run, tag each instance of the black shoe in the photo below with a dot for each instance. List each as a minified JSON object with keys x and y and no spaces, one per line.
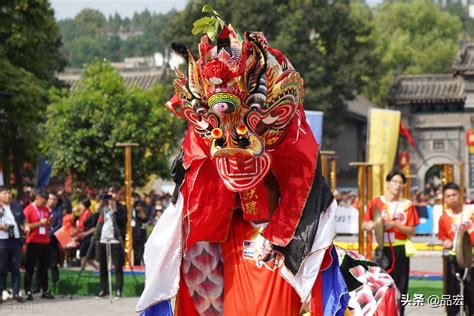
{"x":1,"y":299}
{"x":19,"y":298}
{"x":29,"y":296}
{"x":47,"y":296}
{"x":102,"y":294}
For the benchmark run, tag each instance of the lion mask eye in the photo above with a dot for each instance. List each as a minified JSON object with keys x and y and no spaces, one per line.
{"x":255,"y":107}
{"x":199,"y":107}
{"x":223,"y":107}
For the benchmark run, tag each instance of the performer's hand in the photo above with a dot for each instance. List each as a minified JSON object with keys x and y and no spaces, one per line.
{"x":370,"y":225}
{"x":447,"y":244}
{"x":3,"y":227}
{"x":389,"y":224}
{"x":44,"y":221}
{"x":27,"y":229}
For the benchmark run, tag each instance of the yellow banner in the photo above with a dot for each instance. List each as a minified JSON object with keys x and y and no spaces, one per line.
{"x":384,"y":128}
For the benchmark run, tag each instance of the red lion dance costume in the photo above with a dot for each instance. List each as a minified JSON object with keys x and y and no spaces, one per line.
{"x":252,"y":227}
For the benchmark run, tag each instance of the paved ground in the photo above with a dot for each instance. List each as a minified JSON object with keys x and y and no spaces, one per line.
{"x":87,"y":306}
{"x":424,"y":311}
{"x":429,"y":261}
{"x":80,"y":306}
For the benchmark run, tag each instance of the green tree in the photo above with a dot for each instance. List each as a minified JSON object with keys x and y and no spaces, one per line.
{"x":153,"y":33}
{"x":29,"y":57}
{"x":244,"y":15}
{"x":90,"y":22}
{"x":19,"y":116}
{"x":68,"y":29}
{"x":460,"y":10}
{"x":412,"y":38}
{"x":329,"y":44}
{"x":114,"y":23}
{"x":83,"y":126}
{"x":89,"y":36}
{"x":85,"y":49}
{"x":139,"y":20}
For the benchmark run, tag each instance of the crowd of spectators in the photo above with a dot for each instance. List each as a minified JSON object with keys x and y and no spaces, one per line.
{"x":46,"y":230}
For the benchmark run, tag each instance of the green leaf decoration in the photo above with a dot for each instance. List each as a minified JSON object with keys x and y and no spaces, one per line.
{"x":207,"y":8}
{"x":203,"y":21}
{"x":210,"y":25}
{"x":211,"y":33}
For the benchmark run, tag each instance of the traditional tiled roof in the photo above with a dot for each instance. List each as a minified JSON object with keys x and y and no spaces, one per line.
{"x":464,"y":63}
{"x":427,"y":89}
{"x":144,"y":79}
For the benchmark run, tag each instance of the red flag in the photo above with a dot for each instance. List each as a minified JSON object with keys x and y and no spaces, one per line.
{"x":404,"y":159}
{"x":406,"y":133}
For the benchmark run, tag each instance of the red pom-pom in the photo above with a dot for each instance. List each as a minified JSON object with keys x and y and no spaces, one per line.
{"x":224,"y":33}
{"x":217,"y":72}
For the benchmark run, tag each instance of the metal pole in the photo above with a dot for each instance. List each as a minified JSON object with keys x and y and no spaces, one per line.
{"x":447,"y":176}
{"x":128,"y":200}
{"x":361,"y":188}
{"x":333,"y":174}
{"x":382,"y":179}
{"x":443,"y":182}
{"x":461,"y":182}
{"x":369,"y":186}
{"x":407,"y":188}
{"x":108,"y":253}
{"x":324,"y":165}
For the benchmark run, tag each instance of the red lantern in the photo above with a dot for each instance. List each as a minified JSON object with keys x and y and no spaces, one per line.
{"x":470,"y":137}
{"x":404,"y":157}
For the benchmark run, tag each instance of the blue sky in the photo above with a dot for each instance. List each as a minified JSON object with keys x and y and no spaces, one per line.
{"x":69,"y":8}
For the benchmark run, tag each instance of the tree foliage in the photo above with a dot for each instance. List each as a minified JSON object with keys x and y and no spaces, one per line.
{"x":29,"y":57}
{"x":412,"y":38}
{"x":245,"y":16}
{"x":82,"y":127}
{"x":328,"y":43}
{"x":90,"y":36}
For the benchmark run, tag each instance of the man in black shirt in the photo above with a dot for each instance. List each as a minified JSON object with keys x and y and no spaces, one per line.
{"x":110,"y":238}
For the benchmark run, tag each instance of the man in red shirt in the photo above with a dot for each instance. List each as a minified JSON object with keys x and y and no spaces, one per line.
{"x":399,"y":218}
{"x":456,"y":219}
{"x":37,"y":243}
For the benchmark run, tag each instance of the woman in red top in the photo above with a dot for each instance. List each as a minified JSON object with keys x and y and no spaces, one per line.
{"x":85,"y":232}
{"x":399,"y":219}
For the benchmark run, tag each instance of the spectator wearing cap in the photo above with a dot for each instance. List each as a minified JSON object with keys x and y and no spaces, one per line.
{"x":37,"y":217}
{"x":11,"y":222}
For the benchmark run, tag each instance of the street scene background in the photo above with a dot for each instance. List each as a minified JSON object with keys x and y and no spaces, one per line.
{"x":78,"y":79}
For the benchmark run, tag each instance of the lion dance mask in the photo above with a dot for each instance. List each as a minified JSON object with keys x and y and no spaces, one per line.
{"x":252,"y":225}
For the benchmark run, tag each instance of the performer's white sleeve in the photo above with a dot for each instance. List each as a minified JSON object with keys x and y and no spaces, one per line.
{"x":304,"y":280}
{"x":163,"y":258}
